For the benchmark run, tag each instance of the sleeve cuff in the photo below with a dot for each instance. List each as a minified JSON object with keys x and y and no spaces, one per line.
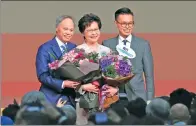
{"x":62,"y":85}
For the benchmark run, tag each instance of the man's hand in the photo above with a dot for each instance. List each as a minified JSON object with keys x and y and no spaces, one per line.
{"x":110,"y":91}
{"x":60,"y":103}
{"x":70,"y":84}
{"x":90,"y":88}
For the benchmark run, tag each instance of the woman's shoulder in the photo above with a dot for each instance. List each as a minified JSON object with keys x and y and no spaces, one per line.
{"x":81,"y":46}
{"x":104,"y":48}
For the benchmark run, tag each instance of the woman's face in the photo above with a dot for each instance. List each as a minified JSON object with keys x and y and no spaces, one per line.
{"x":92,"y":33}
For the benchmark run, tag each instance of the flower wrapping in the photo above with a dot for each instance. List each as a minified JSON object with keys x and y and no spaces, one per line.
{"x":76,"y":65}
{"x":116,"y":70}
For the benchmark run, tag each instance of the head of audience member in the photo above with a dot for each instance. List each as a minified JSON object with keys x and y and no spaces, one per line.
{"x":33,"y":97}
{"x":6,"y":121}
{"x":193,"y":106}
{"x":117,"y":112}
{"x":119,"y":109}
{"x":130,"y":120}
{"x":166,"y":98}
{"x":137,"y":107}
{"x":65,"y":28}
{"x":192,"y":120}
{"x":179,"y":113}
{"x":158,"y":108}
{"x":11,"y":111}
{"x":182,"y":96}
{"x":193,"y":95}
{"x":70,"y":113}
{"x":150,"y":120}
{"x":90,"y":25}
{"x":99,"y":118}
{"x":34,"y":114}
{"x":124,"y":20}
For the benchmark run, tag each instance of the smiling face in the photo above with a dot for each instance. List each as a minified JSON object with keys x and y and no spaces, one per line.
{"x":125,"y":24}
{"x":65,"y":30}
{"x":92,"y":33}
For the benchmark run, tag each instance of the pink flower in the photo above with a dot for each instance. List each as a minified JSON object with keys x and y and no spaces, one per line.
{"x":53,"y":65}
{"x":117,"y":65}
{"x":90,"y":60}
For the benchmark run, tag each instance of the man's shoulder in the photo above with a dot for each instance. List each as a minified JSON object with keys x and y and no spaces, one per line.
{"x":140,"y":40}
{"x":46,"y":45}
{"x":110,"y":39}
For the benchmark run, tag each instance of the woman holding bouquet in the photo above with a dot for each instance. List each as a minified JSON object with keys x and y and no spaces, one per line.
{"x":90,"y":25}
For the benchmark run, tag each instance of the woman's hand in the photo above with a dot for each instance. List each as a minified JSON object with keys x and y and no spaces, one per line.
{"x":90,"y":88}
{"x":110,"y":91}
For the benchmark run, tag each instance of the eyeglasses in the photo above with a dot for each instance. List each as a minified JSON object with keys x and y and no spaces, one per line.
{"x":92,"y":30}
{"x":124,"y":24}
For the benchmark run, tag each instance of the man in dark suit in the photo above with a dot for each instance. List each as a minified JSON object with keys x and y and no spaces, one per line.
{"x":142,"y":63}
{"x":55,"y":89}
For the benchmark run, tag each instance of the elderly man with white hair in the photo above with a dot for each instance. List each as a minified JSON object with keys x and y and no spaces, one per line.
{"x":179,"y":114}
{"x":158,"y":108}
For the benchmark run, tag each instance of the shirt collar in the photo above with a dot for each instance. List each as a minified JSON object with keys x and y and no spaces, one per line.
{"x":129,"y":38}
{"x":60,"y":43}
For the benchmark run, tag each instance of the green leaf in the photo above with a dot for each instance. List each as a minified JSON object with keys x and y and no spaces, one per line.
{"x":111,"y":72}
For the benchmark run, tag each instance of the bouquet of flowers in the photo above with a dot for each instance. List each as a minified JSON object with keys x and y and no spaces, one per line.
{"x":116,"y":70}
{"x":74,"y":65}
{"x":77,"y":65}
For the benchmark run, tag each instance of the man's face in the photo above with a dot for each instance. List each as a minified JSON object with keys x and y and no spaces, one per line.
{"x":65,"y":30}
{"x":125,"y":24}
{"x":92,"y":33}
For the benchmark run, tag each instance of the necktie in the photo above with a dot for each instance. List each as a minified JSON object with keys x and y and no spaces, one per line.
{"x":125,"y":41}
{"x":64,"y":49}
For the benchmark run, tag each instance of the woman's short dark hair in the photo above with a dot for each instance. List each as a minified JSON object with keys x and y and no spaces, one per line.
{"x":86,"y":21}
{"x":123,"y":10}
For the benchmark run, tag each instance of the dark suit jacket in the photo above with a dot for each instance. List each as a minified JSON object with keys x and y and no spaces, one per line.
{"x":51,"y":87}
{"x":142,"y":63}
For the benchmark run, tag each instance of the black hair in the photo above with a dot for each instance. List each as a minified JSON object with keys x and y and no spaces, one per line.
{"x":86,"y":21}
{"x":123,"y":10}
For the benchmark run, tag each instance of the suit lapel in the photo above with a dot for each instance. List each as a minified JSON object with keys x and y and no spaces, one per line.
{"x":134,"y":46}
{"x":133,"y":43}
{"x":116,"y":41}
{"x":56,"y":49}
{"x":114,"y":44}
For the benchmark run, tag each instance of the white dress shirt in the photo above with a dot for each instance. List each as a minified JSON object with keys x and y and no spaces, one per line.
{"x":101,"y":49}
{"x":128,"y":43}
{"x":60,"y":43}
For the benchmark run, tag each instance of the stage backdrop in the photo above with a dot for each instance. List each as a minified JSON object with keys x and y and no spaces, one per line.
{"x":168,"y":26}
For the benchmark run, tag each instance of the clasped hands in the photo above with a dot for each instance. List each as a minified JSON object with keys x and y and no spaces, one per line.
{"x":110,"y":91}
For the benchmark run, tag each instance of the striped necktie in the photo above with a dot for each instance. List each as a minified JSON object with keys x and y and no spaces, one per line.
{"x":64,"y":49}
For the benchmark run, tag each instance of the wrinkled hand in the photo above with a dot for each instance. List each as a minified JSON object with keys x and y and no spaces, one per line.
{"x":90,"y":88}
{"x":70,"y":84}
{"x":110,"y":91}
{"x":60,"y":103}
